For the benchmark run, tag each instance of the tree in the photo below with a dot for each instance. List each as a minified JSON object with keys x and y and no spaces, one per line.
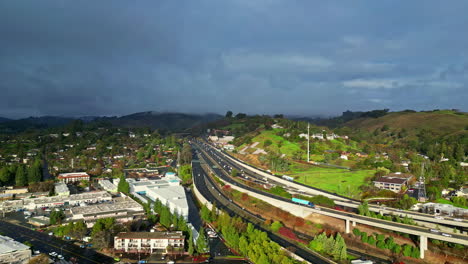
{"x":241,"y":115}
{"x":190,"y":244}
{"x":202,"y":245}
{"x":205,"y":214}
{"x":20,"y":177}
{"x":234,"y":173}
{"x":275,"y":226}
{"x":363,"y":208}
{"x":229,"y":114}
{"x":56,"y":217}
{"x":5,"y":176}
{"x":165,"y":217}
{"x":35,"y":172}
{"x":123,"y":185}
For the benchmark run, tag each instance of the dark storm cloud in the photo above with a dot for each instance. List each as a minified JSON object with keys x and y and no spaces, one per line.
{"x":259,"y":56}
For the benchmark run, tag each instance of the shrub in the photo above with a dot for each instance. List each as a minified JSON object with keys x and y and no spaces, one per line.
{"x":356,"y":232}
{"x":275,"y":226}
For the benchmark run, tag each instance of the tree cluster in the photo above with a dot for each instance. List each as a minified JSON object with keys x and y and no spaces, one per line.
{"x":333,"y":246}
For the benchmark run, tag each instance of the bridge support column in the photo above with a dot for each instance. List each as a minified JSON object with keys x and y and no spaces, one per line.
{"x":354,"y":223}
{"x":422,"y":245}
{"x":347,"y":226}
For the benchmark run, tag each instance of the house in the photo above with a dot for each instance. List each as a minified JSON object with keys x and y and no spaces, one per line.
{"x":229,"y":147}
{"x":73,"y":177}
{"x":149,"y":242}
{"x":276,"y":126}
{"x":393,"y":181}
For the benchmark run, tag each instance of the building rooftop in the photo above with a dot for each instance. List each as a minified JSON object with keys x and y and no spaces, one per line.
{"x":118,"y":204}
{"x":151,"y":235}
{"x":106,"y":184}
{"x":61,"y":187}
{"x":8,"y":245}
{"x":73,"y":174}
{"x":394,"y":180}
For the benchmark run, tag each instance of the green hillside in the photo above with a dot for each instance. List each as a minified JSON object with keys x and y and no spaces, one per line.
{"x":440,"y":122}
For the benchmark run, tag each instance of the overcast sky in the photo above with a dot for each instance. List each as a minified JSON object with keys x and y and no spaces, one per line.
{"x":304,"y":57}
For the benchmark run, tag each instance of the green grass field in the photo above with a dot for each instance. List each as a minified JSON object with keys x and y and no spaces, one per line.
{"x":443,"y":201}
{"x":340,"y":181}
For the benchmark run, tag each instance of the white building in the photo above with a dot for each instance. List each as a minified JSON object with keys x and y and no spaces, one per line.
{"x":149,"y":242}
{"x":73,"y":177}
{"x":61,"y":189}
{"x":108,"y":186}
{"x":13,"y":252}
{"x":122,"y":209}
{"x":55,"y":201}
{"x":167,"y":190}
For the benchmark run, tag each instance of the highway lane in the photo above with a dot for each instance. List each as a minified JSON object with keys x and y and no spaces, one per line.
{"x":339,"y":200}
{"x":206,"y":188}
{"x":46,"y":244}
{"x":463,"y":239}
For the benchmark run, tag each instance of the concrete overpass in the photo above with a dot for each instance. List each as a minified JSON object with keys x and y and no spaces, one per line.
{"x":350,"y":219}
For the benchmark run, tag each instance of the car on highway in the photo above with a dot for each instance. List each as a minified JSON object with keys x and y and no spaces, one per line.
{"x":60,"y":257}
{"x":439,"y":217}
{"x":446,"y":235}
{"x":458,"y":219}
{"x":434,"y":230}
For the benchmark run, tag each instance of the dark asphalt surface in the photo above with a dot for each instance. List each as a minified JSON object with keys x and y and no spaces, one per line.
{"x":46,"y":244}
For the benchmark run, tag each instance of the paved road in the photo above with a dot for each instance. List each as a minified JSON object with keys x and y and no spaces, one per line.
{"x":46,"y":244}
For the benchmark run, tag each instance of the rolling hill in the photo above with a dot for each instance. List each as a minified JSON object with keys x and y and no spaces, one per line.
{"x":440,"y":123}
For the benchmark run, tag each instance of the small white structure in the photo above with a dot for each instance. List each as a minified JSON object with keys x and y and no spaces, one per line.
{"x":61,"y":189}
{"x":108,"y":186}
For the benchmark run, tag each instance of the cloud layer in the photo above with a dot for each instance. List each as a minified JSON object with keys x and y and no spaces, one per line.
{"x":265,"y":56}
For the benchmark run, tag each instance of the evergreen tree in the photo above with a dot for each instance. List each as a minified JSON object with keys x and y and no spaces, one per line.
{"x":5,"y":176}
{"x":202,"y":245}
{"x":205,"y":214}
{"x":190,"y":244}
{"x":123,"y":185}
{"x":20,"y":178}
{"x":165,"y":217}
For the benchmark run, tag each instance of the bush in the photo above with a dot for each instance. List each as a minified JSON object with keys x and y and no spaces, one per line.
{"x":275,"y":226}
{"x":356,"y":232}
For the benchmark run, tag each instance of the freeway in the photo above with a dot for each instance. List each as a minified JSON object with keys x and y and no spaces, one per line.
{"x":339,"y":200}
{"x":399,"y":227}
{"x":46,"y":244}
{"x":207,"y":189}
{"x":199,"y":175}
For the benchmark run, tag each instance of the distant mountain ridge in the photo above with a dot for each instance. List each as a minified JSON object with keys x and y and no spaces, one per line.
{"x":151,"y":119}
{"x":3,"y":119}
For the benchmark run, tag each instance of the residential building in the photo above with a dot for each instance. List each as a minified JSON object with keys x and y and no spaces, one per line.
{"x":149,"y":242}
{"x":123,"y":209}
{"x":393,"y":181}
{"x":108,"y":186}
{"x":13,"y":252}
{"x":61,"y":189}
{"x":73,"y":177}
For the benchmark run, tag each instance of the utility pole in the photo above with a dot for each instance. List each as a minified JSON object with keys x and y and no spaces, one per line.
{"x":308,"y":142}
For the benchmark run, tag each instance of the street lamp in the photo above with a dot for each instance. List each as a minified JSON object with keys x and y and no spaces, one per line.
{"x":61,"y":250}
